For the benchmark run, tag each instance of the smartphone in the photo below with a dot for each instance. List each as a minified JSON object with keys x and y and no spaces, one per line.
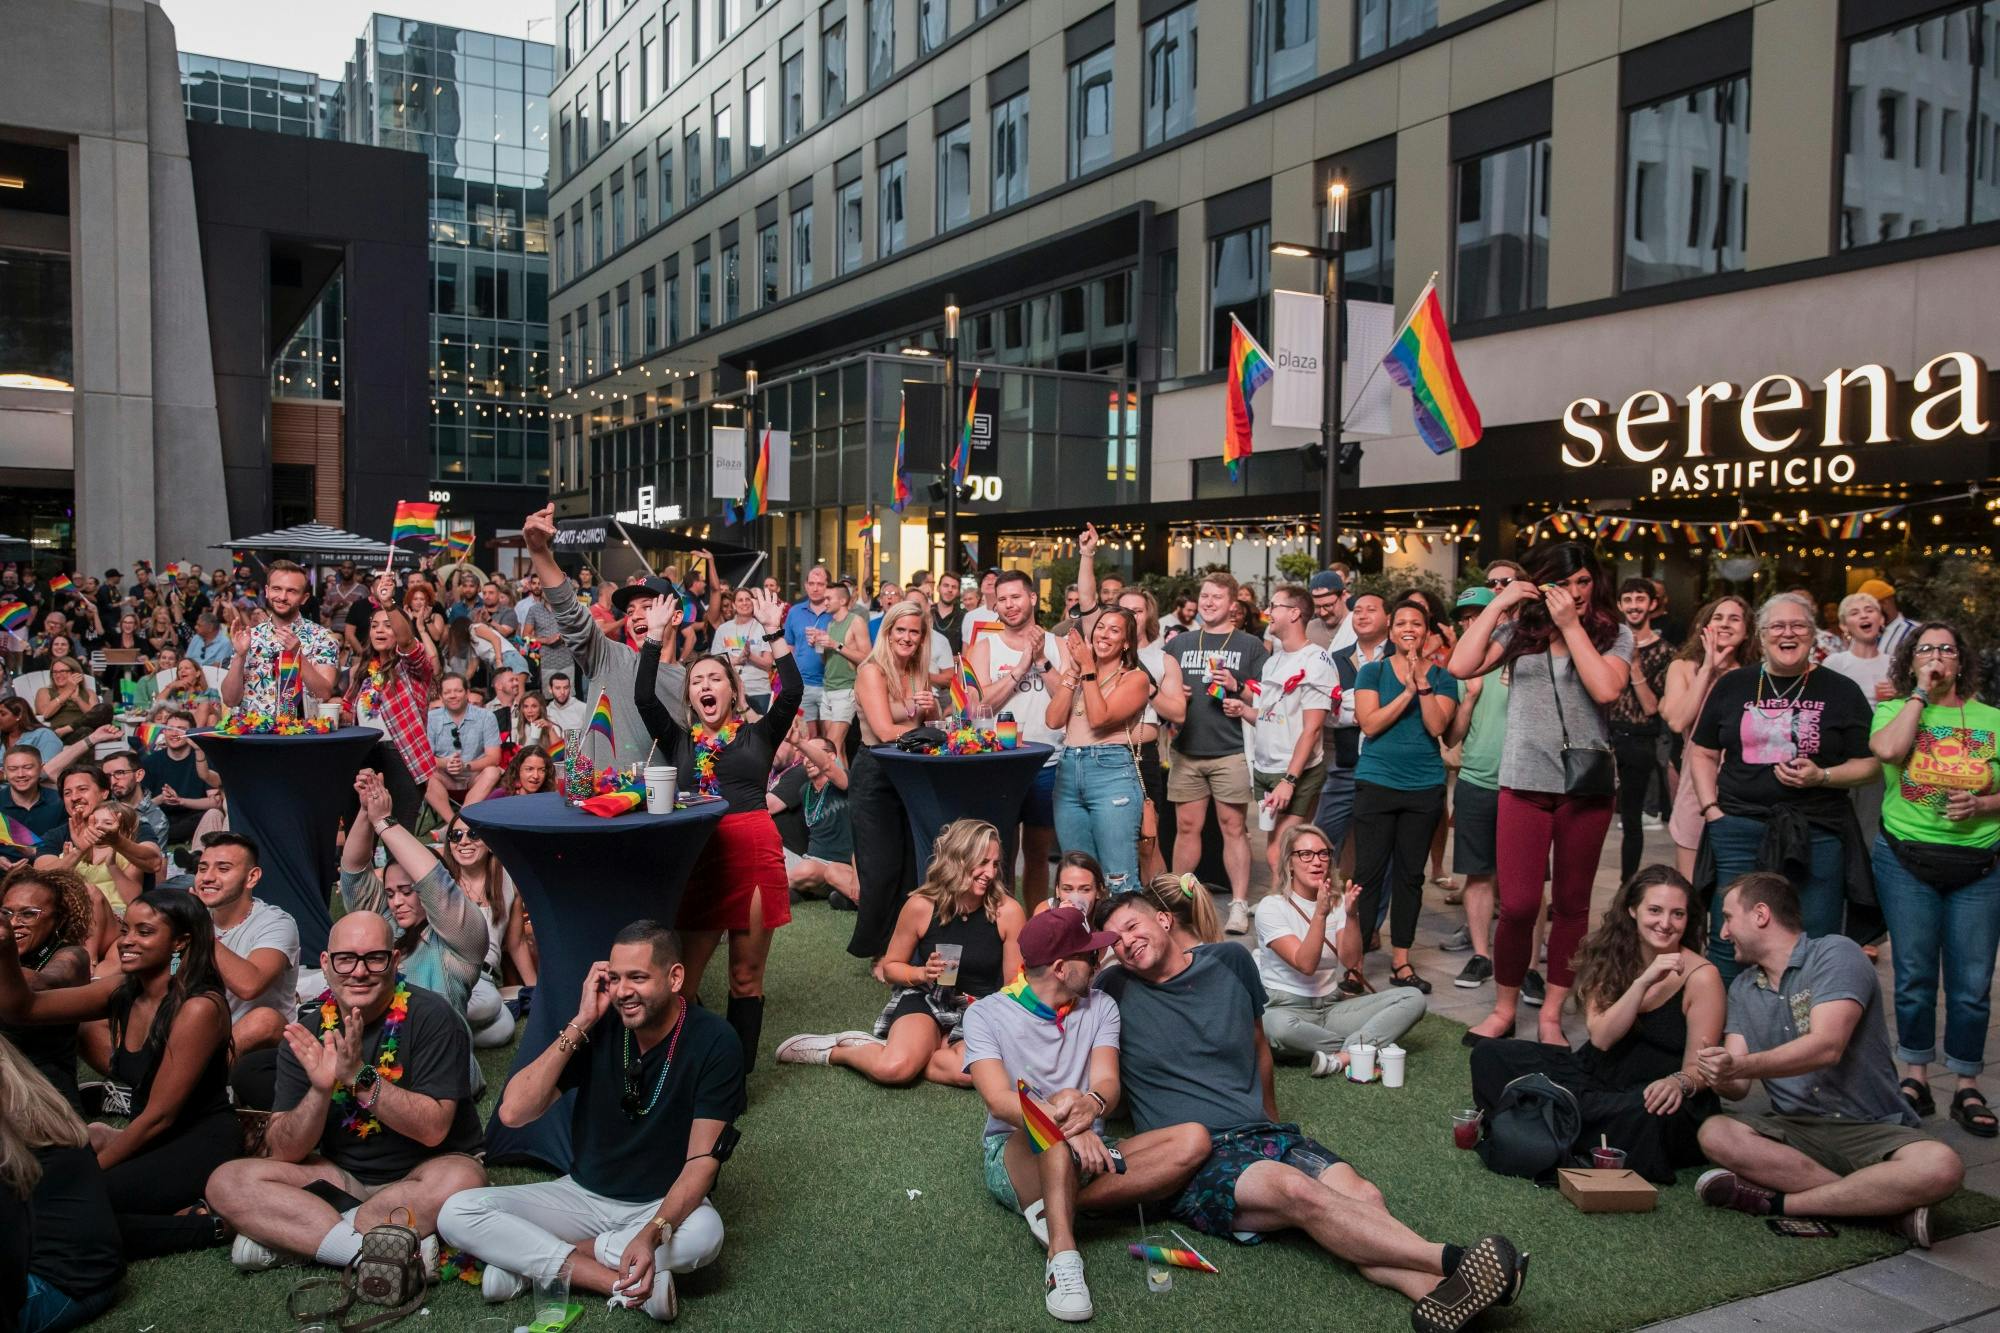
{"x":1804,"y":1228}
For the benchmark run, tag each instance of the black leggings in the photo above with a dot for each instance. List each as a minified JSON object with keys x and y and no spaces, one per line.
{"x":885,"y":860}
{"x":1392,"y":830}
{"x":149,"y":1189}
{"x":1637,"y":756}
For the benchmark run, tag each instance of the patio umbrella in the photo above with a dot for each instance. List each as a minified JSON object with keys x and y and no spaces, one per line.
{"x":319,"y":543}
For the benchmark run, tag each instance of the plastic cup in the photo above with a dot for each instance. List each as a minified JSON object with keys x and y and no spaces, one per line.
{"x":1465,"y":1129}
{"x":552,"y":1307}
{"x":951,"y":953}
{"x":1391,"y":1058}
{"x":1159,"y":1276}
{"x":1267,"y":818}
{"x":1608,"y":1159}
{"x":660,"y":789}
{"x":1361,"y":1064}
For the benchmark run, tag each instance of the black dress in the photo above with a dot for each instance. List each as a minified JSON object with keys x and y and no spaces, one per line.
{"x":1610,"y":1088}
{"x":983,"y":955}
{"x":50,"y":1047}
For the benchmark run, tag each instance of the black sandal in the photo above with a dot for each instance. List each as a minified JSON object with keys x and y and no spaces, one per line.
{"x":1974,"y":1116}
{"x":1406,"y":975}
{"x":1354,"y":984}
{"x":1918,"y":1095}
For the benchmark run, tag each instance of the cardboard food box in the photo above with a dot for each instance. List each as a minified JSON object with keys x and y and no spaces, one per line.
{"x":1594,"y":1191}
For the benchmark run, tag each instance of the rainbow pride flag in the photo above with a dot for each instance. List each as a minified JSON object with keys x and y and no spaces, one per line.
{"x":757,"y":502}
{"x":1249,"y":370}
{"x":238,"y":561}
{"x":415,"y":519}
{"x":149,"y":734}
{"x":60,"y":583}
{"x":600,"y":723}
{"x":1851,"y":526}
{"x":1421,"y":361}
{"x":457,"y":545}
{"x":899,"y":481}
{"x":556,"y":746}
{"x":1043,"y":1131}
{"x":15,"y":617}
{"x":964,"y":688}
{"x":961,"y":457}
{"x":288,"y":677}
{"x":13,"y":833}
{"x":1718,"y":535}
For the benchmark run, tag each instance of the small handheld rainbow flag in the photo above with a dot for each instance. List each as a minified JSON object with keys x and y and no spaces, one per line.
{"x":171,"y":572}
{"x":899,"y":480}
{"x":238,"y":561}
{"x":961,"y":457}
{"x":600,"y":723}
{"x":15,"y":617}
{"x":1249,"y":370}
{"x":458,"y":545}
{"x":13,"y":833}
{"x":60,"y":583}
{"x":415,"y":519}
{"x":758,"y":501}
{"x":288,"y":676}
{"x":1421,"y":360}
{"x":964,"y":688}
{"x":1040,"y":1123}
{"x":1167,"y":1254}
{"x":149,"y":734}
{"x":556,"y":746}
{"x":1215,"y":691}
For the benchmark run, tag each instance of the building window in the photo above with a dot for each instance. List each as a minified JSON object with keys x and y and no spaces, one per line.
{"x":1686,"y":197}
{"x":605,"y":347}
{"x":881,"y":42}
{"x":622,"y":328}
{"x":566,"y":369}
{"x":565,"y":133}
{"x":641,"y":197}
{"x":605,"y":124}
{"x":792,"y":91}
{"x":755,"y":124}
{"x":802,"y":249}
{"x":1090,"y":112}
{"x":1010,"y":151}
{"x":728,"y":18}
{"x":1239,"y":284}
{"x":892,"y":223}
{"x":1284,"y":45}
{"x":732,"y":282}
{"x":1502,"y":233}
{"x":833,"y":68}
{"x":650,"y":307}
{"x":704,"y":296}
{"x":767,"y":266}
{"x":597,"y":250}
{"x":1368,"y":269}
{"x":562,"y":256}
{"x":673,"y":309}
{"x":691,"y":157}
{"x":847,"y":207}
{"x":1922,"y":132}
{"x":673,"y":44}
{"x":649,"y":64}
{"x":580,"y":258}
{"x":583,"y":127}
{"x":666,"y":183}
{"x":1168,"y":333}
{"x":724,"y":167}
{"x":628,"y":91}
{"x":1169,"y":46}
{"x":933,"y":25}
{"x":1381,"y":24}
{"x":617,"y":217}
{"x":572,"y":36}
{"x":954,"y":177}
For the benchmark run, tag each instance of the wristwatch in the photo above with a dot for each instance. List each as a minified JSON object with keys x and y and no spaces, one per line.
{"x":1292,"y":778}
{"x":665,"y":1227}
{"x":365,"y":1083}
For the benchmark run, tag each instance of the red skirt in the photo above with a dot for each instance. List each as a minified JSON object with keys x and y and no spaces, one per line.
{"x":744,"y":858}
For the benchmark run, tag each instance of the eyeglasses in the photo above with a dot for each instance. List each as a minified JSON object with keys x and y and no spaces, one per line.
{"x":1934,"y":650}
{"x":375,"y":962}
{"x":1312,"y":854}
{"x":27,"y":916}
{"x":1498,"y":583}
{"x":462,"y":835}
{"x":1788,"y":627}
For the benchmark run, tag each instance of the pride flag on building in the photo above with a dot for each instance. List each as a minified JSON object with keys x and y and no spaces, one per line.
{"x":757,"y":502}
{"x":1421,"y":360}
{"x":961,"y":458}
{"x":1249,"y":370}
{"x":414,"y":520}
{"x":899,"y":480}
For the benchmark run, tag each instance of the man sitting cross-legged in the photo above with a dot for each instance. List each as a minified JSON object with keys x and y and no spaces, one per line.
{"x":1193,"y":1048}
{"x":658,"y":1081}
{"x":374,"y":1099}
{"x":1805,"y":1015}
{"x":1050,"y":1030}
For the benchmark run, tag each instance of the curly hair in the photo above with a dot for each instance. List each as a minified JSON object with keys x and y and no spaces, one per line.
{"x":1903,"y":668}
{"x":510,"y":779}
{"x":1608,"y":961}
{"x":72,"y":898}
{"x":958,"y":849}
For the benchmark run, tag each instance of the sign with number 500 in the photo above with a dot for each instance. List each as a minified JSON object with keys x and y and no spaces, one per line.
{"x":984,"y":488}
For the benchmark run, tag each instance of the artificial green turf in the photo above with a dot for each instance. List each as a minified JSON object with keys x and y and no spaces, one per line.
{"x":824,"y":1234}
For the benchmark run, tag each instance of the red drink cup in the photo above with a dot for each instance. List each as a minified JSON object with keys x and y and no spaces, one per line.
{"x":1465,"y":1129}
{"x":1608,"y":1159}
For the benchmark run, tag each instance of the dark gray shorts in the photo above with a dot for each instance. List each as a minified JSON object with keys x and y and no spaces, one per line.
{"x":1475,"y":822}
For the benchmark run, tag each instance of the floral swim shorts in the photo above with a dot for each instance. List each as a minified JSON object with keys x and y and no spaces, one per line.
{"x":1208,"y":1204}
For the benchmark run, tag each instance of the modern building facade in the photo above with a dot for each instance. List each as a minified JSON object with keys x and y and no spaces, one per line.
{"x":1615,"y":197}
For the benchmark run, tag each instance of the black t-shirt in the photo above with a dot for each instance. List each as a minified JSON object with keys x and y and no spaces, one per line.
{"x":16,"y":1222}
{"x":791,"y":788}
{"x":162,"y":770}
{"x":638,"y":1160}
{"x":1208,"y":733}
{"x":75,"y":1247}
{"x":743,"y":768}
{"x":1757,"y":721}
{"x":435,"y":1050}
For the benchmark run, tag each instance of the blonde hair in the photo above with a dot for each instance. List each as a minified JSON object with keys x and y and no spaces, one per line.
{"x":1289,"y":841}
{"x":883,"y":654}
{"x":958,"y":849}
{"x":1186,"y":899}
{"x":33,"y":1116}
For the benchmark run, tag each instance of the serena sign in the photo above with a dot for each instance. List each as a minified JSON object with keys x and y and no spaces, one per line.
{"x":1778,"y":433}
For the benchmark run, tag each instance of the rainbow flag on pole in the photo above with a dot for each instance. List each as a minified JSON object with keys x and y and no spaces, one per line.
{"x":1249,"y":370}
{"x":457,"y":546}
{"x":961,"y":458}
{"x":1040,"y":1123}
{"x":15,"y":617}
{"x":758,"y":501}
{"x":964,"y":686}
{"x":414,"y":519}
{"x":1421,"y":360}
{"x":60,"y":583}
{"x":556,"y":746}
{"x":149,"y":734}
{"x":600,"y":724}
{"x":899,"y":481}
{"x":13,"y":833}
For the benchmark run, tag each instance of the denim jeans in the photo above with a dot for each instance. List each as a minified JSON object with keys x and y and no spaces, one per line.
{"x":1960,"y":930}
{"x":1336,"y":806}
{"x":1822,"y":898}
{"x":1099,"y":807}
{"x":49,"y":1309}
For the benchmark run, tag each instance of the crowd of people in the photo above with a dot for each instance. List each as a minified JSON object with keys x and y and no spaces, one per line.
{"x":1826,"y":793}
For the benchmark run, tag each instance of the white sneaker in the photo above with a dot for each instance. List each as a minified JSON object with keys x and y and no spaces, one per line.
{"x":1038,"y":1222}
{"x":806,"y":1049}
{"x":498,"y":1285}
{"x":249,"y":1256}
{"x":1239,"y":918}
{"x":663,"y":1304}
{"x":1326,"y":1066}
{"x":1069,"y":1297}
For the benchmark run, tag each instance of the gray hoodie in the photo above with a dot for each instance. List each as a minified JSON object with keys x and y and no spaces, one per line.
{"x":611,"y":668}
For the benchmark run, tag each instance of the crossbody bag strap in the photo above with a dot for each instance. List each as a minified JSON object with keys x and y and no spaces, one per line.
{"x":1555,"y":688}
{"x":407,"y":1308}
{"x":346,"y":1286}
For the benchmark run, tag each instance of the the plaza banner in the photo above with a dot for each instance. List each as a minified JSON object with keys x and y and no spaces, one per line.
{"x":729,"y":464}
{"x":1297,"y":327}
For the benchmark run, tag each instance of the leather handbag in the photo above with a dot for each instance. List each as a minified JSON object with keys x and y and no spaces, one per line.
{"x":1590,"y":769}
{"x":388,"y":1272}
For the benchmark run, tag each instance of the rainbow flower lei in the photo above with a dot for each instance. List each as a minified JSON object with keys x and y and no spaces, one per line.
{"x":967,"y":739}
{"x":707,"y":745}
{"x":386,"y":1064}
{"x":264,"y":724}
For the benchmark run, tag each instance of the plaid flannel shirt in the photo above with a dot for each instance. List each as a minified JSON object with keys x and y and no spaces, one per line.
{"x":401,"y":708}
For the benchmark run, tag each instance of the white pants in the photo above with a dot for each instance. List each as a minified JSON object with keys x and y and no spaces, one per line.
{"x":491,"y":1021}
{"x":532,"y":1229}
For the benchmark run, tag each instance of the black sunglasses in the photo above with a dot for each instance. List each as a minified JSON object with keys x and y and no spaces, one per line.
{"x":462,"y":835}
{"x":1500,"y":582}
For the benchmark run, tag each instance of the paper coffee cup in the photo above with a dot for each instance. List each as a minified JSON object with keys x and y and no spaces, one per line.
{"x":1361,"y":1065}
{"x":660,"y":782}
{"x":1267,"y":818}
{"x":1391,"y":1058}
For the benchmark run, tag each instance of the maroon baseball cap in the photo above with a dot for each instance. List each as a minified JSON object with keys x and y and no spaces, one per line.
{"x":1059,"y":933}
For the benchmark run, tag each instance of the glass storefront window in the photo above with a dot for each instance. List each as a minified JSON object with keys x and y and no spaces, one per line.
{"x":1381,"y":24}
{"x":1239,"y":286}
{"x":1686,"y":197}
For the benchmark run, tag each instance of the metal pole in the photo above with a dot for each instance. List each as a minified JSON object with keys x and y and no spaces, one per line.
{"x":950,"y":419}
{"x":750,"y":463}
{"x":1334,"y":303}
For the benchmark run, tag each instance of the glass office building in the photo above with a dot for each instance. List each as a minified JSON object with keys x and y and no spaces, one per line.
{"x":259,"y":97}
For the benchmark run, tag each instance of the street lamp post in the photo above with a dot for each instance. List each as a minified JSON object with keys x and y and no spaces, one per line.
{"x":750,"y":438}
{"x":1333,"y":303}
{"x":950,"y":417}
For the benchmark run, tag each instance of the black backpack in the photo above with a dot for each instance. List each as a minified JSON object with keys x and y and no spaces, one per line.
{"x":1532,"y":1129}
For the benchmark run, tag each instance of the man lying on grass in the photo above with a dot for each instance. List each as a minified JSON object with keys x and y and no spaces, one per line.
{"x":1050,"y":1030}
{"x":1192,"y":1048}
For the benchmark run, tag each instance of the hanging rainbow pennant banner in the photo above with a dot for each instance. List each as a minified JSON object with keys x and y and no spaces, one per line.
{"x":458,"y":545}
{"x":13,"y":833}
{"x":15,"y":617}
{"x":1852,"y":525}
{"x":415,"y":520}
{"x":961,"y":458}
{"x":899,"y":481}
{"x":1421,"y":360}
{"x":60,"y":583}
{"x":1040,"y":1123}
{"x":1621,"y":530}
{"x":1249,"y":370}
{"x":149,"y":734}
{"x":1718,"y":536}
{"x":600,"y":724}
{"x":758,"y":502}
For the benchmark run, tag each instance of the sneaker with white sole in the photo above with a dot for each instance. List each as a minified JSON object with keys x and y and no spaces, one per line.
{"x":1068,"y":1297}
{"x":249,"y":1256}
{"x":664,"y":1303}
{"x":1239,"y":918}
{"x":1036,"y":1217}
{"x":809,"y":1048}
{"x":498,"y":1285}
{"x":1325,"y":1065}
{"x":1914,"y":1226}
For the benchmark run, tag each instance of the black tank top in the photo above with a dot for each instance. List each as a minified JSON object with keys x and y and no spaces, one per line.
{"x":1653,"y":1049}
{"x":134,"y":1070}
{"x":979,"y":965}
{"x":50,"y":1048}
